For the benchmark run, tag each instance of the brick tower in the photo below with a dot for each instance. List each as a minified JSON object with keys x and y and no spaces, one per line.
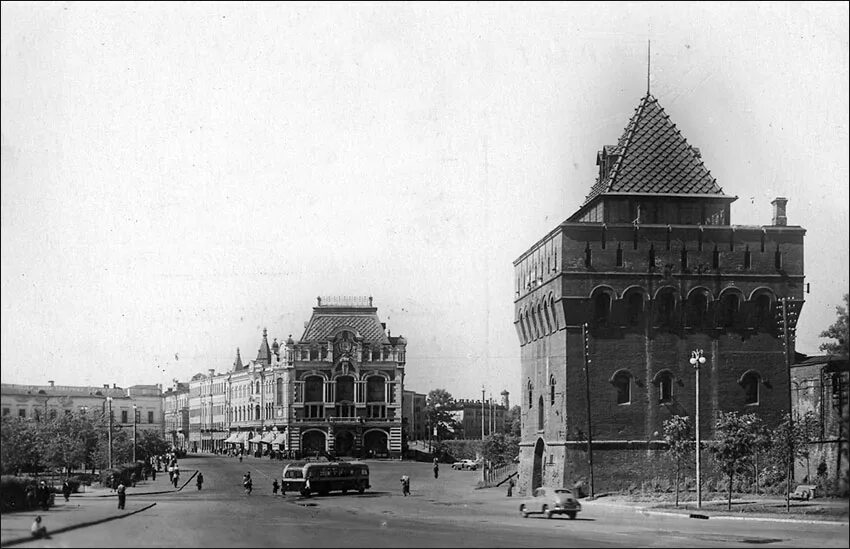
{"x":652,"y":265}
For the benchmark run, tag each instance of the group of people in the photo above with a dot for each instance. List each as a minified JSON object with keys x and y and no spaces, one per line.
{"x":38,"y":495}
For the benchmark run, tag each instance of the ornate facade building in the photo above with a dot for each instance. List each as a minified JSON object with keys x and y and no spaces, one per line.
{"x":654,"y":268}
{"x":337,"y":390}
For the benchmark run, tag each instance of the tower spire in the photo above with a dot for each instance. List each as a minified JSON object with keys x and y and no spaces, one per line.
{"x":648,"y":44}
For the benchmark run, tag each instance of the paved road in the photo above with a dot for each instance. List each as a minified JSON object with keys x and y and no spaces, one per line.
{"x":446,"y":512}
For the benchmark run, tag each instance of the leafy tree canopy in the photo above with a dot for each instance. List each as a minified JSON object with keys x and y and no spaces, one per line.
{"x":839,"y":331}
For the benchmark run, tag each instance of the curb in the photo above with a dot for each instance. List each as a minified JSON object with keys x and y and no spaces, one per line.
{"x":112,"y":494}
{"x":645,"y":511}
{"x":75,"y":526}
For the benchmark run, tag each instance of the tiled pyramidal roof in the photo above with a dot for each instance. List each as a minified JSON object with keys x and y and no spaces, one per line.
{"x":654,"y":157}
{"x":366,"y":324}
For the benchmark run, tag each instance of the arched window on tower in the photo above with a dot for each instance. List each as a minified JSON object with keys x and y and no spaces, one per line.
{"x":697,"y":309}
{"x":530,"y":389}
{"x":634,"y":308}
{"x":622,"y":382}
{"x":665,"y":308}
{"x":729,"y":305}
{"x":750,"y":383}
{"x":664,"y":381}
{"x":601,"y":308}
{"x":552,"y":390}
{"x":763,"y":312}
{"x":540,"y":417}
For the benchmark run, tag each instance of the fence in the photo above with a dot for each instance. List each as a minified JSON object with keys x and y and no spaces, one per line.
{"x":493,"y":476}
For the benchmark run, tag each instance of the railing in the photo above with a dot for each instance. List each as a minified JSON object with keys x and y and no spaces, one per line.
{"x":494,"y":476}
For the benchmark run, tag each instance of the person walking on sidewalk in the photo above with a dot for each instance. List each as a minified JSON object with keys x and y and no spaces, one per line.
{"x":436,"y":468}
{"x":275,"y":487}
{"x":200,"y":480}
{"x":122,"y":495}
{"x":405,"y":485}
{"x":511,"y":485}
{"x":176,"y":478}
{"x":66,"y":490}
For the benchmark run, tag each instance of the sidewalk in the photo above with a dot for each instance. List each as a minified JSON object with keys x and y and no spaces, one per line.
{"x":96,"y":505}
{"x":823,"y":511}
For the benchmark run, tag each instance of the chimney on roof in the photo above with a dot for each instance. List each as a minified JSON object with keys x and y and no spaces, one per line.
{"x":779,"y":218}
{"x":211,"y":371}
{"x":106,"y":385}
{"x":114,"y":385}
{"x":50,"y":382}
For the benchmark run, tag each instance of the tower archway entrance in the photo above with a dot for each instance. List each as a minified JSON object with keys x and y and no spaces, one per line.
{"x":537,"y":470}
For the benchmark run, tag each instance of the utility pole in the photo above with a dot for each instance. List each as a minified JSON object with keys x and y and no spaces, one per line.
{"x":482,"y":412}
{"x":788,"y":326}
{"x":586,"y":338}
{"x":109,"y":432}
{"x":135,"y":415}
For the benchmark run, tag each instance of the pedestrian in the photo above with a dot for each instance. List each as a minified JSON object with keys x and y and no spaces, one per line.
{"x":240,"y":458}
{"x":153,"y":474}
{"x":176,"y":478}
{"x":170,"y":474}
{"x":66,"y":489}
{"x":275,"y":487}
{"x":511,"y":485}
{"x":32,"y":496}
{"x":405,"y":485}
{"x":44,"y":496}
{"x":122,"y":495}
{"x":200,"y":480}
{"x":247,"y":483}
{"x":436,"y":468}
{"x":37,"y":529}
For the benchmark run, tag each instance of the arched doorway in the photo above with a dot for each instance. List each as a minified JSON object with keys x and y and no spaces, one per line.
{"x":312,"y":442}
{"x":375,"y":444}
{"x":344,"y":443}
{"x":537,"y":472}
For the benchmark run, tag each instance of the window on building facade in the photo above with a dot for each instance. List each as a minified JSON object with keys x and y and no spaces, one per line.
{"x":601,"y":308}
{"x":345,"y":389}
{"x":622,"y":382}
{"x":6,"y":411}
{"x":552,"y":390}
{"x":22,"y":412}
{"x":729,"y":305}
{"x":665,"y":308}
{"x":750,"y":383}
{"x":314,"y":389}
{"x":634,"y":308}
{"x":540,"y":417}
{"x":664,"y":381}
{"x":529,"y":393}
{"x":123,"y":416}
{"x":375,"y":389}
{"x":764,"y":312}
{"x":150,"y":417}
{"x":697,"y":309}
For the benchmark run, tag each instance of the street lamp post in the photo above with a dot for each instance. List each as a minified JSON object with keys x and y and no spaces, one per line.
{"x":109,"y":432}
{"x":696,"y":360}
{"x":134,"y":432}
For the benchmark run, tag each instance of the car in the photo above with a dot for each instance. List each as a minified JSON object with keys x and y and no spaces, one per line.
{"x":465,"y":465}
{"x":551,"y":501}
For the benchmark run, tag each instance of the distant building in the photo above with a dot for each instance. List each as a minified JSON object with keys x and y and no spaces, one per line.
{"x":413,"y":415}
{"x":175,"y":406}
{"x":39,"y":401}
{"x":469,"y":413}
{"x":819,"y":384}
{"x":652,"y":264}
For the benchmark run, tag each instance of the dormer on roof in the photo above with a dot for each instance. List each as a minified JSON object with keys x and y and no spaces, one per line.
{"x":652,"y":175}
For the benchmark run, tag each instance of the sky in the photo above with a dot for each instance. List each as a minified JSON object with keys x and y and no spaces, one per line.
{"x":178,"y":176}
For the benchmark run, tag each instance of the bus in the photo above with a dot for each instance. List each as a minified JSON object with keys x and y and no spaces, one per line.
{"x":324,"y":477}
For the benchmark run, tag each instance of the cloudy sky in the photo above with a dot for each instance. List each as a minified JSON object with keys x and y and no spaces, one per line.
{"x":177,"y":176}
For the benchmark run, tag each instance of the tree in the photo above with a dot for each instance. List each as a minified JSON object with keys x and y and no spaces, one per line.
{"x":150,"y":443}
{"x":679,"y":435}
{"x":787,"y":437}
{"x":438,"y":412}
{"x":515,"y":421}
{"x":500,"y":448}
{"x":733,"y":444}
{"x":19,"y":445}
{"x":840,"y":331}
{"x":761,"y":447}
{"x":63,"y":445}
